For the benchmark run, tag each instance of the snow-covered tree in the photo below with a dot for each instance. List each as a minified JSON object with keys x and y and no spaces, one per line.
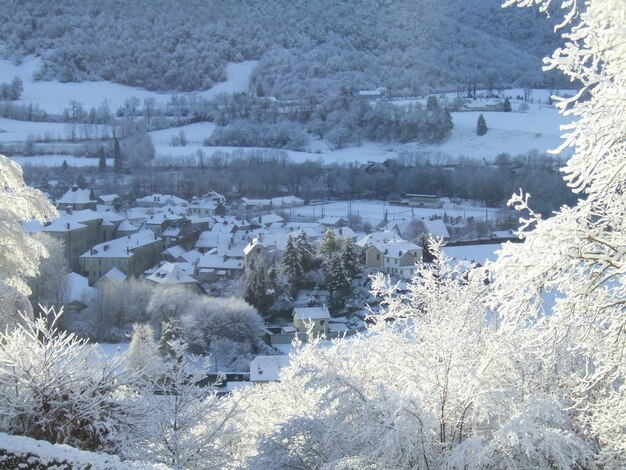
{"x":305,"y":251}
{"x":337,"y":280}
{"x":187,"y":421}
{"x":171,"y":330}
{"x":260,"y":286}
{"x":350,"y":258}
{"x":169,"y":302}
{"x":50,"y":287}
{"x":578,"y":254}
{"x":329,"y":245}
{"x":56,"y":387}
{"x":436,"y":384}
{"x":19,"y":252}
{"x":481,"y":125}
{"x":142,"y":352}
{"x":290,"y":262}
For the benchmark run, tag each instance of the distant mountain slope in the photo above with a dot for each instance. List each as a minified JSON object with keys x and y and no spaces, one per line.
{"x":305,"y":48}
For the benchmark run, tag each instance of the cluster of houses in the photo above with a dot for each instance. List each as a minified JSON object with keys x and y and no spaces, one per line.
{"x":169,"y":240}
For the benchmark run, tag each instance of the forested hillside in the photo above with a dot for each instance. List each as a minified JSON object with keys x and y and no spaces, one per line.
{"x":306,"y":49}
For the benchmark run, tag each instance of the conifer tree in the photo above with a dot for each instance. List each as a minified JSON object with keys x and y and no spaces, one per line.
{"x":329,"y":245}
{"x":305,"y":251}
{"x":117,"y":156}
{"x":102,"y":161}
{"x":350,"y":258}
{"x":171,"y":331}
{"x":481,"y":126}
{"x":337,"y":281}
{"x":290,"y":263}
{"x":506,"y":106}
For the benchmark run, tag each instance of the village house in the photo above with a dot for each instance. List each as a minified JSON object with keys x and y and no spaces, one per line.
{"x":318,"y":318}
{"x":132,"y":255}
{"x":396,"y":258}
{"x":267,"y":368}
{"x":77,"y":199}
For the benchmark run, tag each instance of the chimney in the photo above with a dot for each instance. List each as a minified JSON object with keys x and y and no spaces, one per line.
{"x":68,"y":225}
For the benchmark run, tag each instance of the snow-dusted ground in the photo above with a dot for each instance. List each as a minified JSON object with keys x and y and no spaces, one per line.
{"x":479,"y":253}
{"x":57,"y":160}
{"x":374,"y":211}
{"x":514,"y":133}
{"x":53,"y":96}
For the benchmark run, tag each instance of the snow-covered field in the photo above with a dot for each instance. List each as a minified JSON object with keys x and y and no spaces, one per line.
{"x":53,"y":96}
{"x":374,"y":211}
{"x":57,"y":160}
{"x":514,"y":133}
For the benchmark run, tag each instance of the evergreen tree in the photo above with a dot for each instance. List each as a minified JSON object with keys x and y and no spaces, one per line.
{"x":305,"y":251}
{"x":481,"y":126}
{"x":432,"y":104}
{"x":290,"y":263}
{"x":102,"y":161}
{"x":142,"y":352}
{"x":350,"y":258}
{"x":117,"y":156}
{"x":329,"y":245}
{"x":506,"y":106}
{"x":171,"y":331}
{"x":260,"y":288}
{"x":337,"y":281}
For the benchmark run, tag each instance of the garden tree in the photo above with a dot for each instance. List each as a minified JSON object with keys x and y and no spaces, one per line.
{"x":579,"y":252}
{"x":211,"y":318}
{"x":260,"y":286}
{"x":19,"y":252}
{"x":432,"y":104}
{"x":305,"y":251}
{"x":171,"y":330}
{"x":481,"y":126}
{"x":142,"y":352}
{"x":337,"y":281}
{"x":290,"y":263}
{"x":102,"y":160}
{"x":436,"y":384}
{"x":424,"y":240}
{"x":117,"y":156}
{"x":50,"y":287}
{"x":56,"y":387}
{"x":187,"y":424}
{"x":328,"y":246}
{"x":169,"y":301}
{"x":350,"y":258}
{"x":506,"y":106}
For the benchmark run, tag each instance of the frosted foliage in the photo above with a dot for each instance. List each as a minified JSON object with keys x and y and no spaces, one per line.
{"x":57,"y":388}
{"x":579,"y":254}
{"x":438,"y":387}
{"x":19,"y":252}
{"x":187,"y":423}
{"x":142,"y":351}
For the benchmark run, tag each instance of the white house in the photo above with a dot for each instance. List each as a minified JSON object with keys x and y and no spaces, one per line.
{"x":267,"y":368}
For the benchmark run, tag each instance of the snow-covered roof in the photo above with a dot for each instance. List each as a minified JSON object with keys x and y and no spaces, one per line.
{"x":112,"y":274}
{"x":311,"y":313}
{"x":331,"y":220}
{"x":380,"y":237}
{"x":267,"y":368}
{"x":175,"y":251}
{"x":396,"y":249}
{"x":78,"y":289}
{"x":268,"y":219}
{"x":161,"y":199}
{"x":191,"y":256}
{"x":171,"y":273}
{"x":122,"y":247}
{"x":108,"y":197}
{"x":436,"y":228}
{"x":287,"y":201}
{"x":126,"y":226}
{"x":75,"y":195}
{"x":213,"y":261}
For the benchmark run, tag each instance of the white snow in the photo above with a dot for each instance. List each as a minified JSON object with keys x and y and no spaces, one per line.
{"x":478,"y":253}
{"x":374,"y":211}
{"x":57,"y":160}
{"x":53,"y":96}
